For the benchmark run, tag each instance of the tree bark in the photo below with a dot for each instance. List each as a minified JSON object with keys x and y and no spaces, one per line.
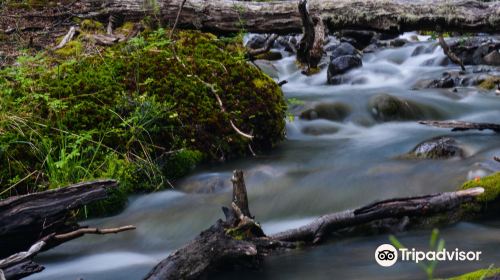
{"x":26,"y":219}
{"x":228,"y":16}
{"x":310,"y":50}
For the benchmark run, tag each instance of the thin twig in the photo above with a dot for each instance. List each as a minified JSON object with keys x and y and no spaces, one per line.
{"x":176,"y":19}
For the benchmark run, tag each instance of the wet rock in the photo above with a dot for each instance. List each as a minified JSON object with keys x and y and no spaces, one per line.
{"x":257,"y":41}
{"x":493,"y":58}
{"x":270,"y":55}
{"x":340,"y":66}
{"x":343,"y":49}
{"x":317,"y":130}
{"x":449,"y":80}
{"x":385,"y":107}
{"x":358,"y":38}
{"x":437,"y":148}
{"x":288,"y":43}
{"x":472,"y":51}
{"x":267,"y":67}
{"x":328,"y":111}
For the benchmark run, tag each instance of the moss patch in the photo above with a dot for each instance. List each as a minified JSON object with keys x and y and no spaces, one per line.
{"x":489,"y":83}
{"x":491,"y":185}
{"x":141,"y":112}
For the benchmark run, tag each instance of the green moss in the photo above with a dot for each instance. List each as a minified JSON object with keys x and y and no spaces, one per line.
{"x":477,"y":275}
{"x":72,"y":48}
{"x":182,"y":162}
{"x":489,"y":83}
{"x":121,"y":113}
{"x":491,"y":185}
{"x":91,"y":25}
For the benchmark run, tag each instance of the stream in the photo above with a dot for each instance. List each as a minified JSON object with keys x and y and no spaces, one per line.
{"x":323,"y":166}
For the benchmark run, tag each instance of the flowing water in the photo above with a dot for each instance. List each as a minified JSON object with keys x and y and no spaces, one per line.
{"x":314,"y":174}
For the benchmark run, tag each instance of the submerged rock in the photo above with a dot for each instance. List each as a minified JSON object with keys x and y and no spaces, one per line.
{"x":385,"y":107}
{"x":327,"y":111}
{"x":437,"y":148}
{"x":318,"y":130}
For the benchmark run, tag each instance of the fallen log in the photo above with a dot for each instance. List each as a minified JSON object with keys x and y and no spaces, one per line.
{"x":463,"y":126}
{"x":26,"y":219}
{"x":239,"y":241}
{"x":282,"y":17}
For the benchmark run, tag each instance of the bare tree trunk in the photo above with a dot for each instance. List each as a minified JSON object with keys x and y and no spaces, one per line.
{"x":310,"y":50}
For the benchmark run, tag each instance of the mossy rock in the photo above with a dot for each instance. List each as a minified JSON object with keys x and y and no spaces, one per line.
{"x":385,"y":107}
{"x":491,"y":185}
{"x":123,"y":113}
{"x":489,"y":83}
{"x":478,"y":275}
{"x":436,"y":148}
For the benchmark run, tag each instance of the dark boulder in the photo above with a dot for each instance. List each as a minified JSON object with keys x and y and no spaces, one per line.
{"x":340,"y":66}
{"x":343,"y":49}
{"x":437,"y":148}
{"x":359,"y":38}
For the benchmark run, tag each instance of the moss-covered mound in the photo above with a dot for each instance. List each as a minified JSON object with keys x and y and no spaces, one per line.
{"x":491,"y":185}
{"x":142,"y":111}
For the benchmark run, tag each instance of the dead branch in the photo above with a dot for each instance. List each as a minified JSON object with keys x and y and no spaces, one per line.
{"x":462,"y":126}
{"x":447,"y":51}
{"x":176,"y":19}
{"x":81,"y":232}
{"x":252,"y":53}
{"x":20,"y":264}
{"x":68,"y":37}
{"x":239,"y":241}
{"x":427,"y":205}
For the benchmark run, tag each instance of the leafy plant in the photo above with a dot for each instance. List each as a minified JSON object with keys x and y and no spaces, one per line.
{"x":436,"y":244}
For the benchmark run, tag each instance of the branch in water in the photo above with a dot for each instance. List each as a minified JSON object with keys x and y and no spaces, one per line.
{"x":462,"y":126}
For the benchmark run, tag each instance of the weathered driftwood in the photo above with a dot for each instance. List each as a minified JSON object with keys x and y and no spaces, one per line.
{"x":447,"y":51}
{"x":427,"y":205}
{"x":462,"y":126}
{"x":252,"y":53}
{"x":26,"y":219}
{"x":225,"y":16}
{"x":20,"y":265}
{"x":310,"y":49}
{"x":239,"y":241}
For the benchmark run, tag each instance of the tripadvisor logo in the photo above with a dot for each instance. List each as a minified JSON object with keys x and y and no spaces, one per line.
{"x":387,"y":255}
